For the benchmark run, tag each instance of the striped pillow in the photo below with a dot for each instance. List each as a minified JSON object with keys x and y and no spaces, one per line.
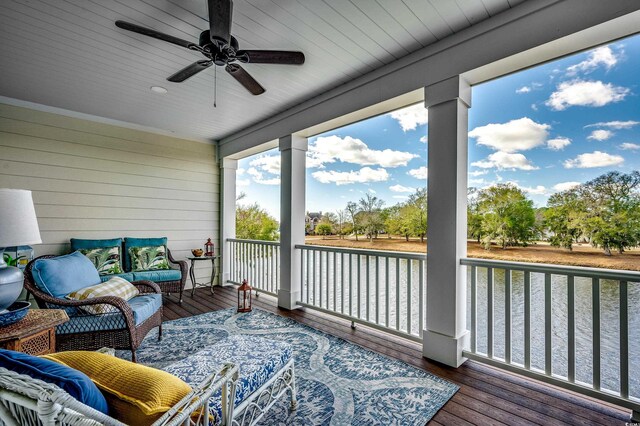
{"x":116,"y":286}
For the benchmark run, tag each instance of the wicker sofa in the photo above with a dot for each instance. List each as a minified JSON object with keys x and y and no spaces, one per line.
{"x":125,"y":328}
{"x":170,"y":281}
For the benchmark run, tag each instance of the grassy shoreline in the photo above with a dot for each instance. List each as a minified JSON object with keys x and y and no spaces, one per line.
{"x":541,"y":252}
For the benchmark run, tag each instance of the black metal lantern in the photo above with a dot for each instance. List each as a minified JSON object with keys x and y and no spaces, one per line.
{"x":244,"y":297}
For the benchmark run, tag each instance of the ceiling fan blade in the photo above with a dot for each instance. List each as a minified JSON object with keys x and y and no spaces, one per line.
{"x":190,"y":71}
{"x":155,"y":34}
{"x":270,"y":57}
{"x":220,"y":15}
{"x":245,"y":79}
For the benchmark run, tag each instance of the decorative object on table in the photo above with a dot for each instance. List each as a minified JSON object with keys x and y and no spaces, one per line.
{"x":197,"y":252}
{"x":244,"y":297}
{"x":18,"y":256}
{"x":18,"y":226}
{"x":14,"y":313}
{"x":35,"y":334}
{"x":208,"y":248}
{"x":192,"y":272}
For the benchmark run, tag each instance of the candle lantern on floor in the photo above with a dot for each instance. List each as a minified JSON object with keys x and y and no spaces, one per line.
{"x":208,"y":248}
{"x":244,"y":297}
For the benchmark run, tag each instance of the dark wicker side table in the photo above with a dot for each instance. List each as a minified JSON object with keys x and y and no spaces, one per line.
{"x":35,"y":334}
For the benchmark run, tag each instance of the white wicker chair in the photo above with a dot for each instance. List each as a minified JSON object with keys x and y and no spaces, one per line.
{"x":28,"y":401}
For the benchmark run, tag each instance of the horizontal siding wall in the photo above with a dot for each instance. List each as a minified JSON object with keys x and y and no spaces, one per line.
{"x":93,"y":180}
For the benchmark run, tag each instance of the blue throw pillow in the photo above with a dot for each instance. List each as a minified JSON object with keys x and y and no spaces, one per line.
{"x":75,"y":383}
{"x":61,"y":275}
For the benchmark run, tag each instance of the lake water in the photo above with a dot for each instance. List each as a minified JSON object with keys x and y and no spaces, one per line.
{"x":404,"y":299}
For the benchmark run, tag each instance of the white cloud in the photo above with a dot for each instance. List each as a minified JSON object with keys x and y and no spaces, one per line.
{"x":558,"y":144}
{"x":618,"y":125}
{"x":593,"y":159}
{"x":365,"y":174}
{"x":478,"y":172}
{"x":505,"y":160}
{"x":585,"y":93}
{"x":267,"y":163}
{"x":516,"y":135}
{"x":538,"y":190}
{"x":259,"y":177}
{"x":265,"y":170}
{"x":240,"y":171}
{"x":476,"y":181}
{"x":600,"y":135}
{"x":411,"y":117}
{"x":373,"y":191}
{"x":243,"y":182}
{"x":329,"y":149}
{"x":534,"y":107}
{"x":565,"y":186}
{"x":424,"y":139}
{"x":600,"y":56}
{"x":523,"y":89}
{"x":400,"y":188}
{"x":419,"y":173}
{"x":628,"y":146}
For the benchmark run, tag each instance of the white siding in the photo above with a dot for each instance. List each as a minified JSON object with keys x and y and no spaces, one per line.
{"x":93,"y":180}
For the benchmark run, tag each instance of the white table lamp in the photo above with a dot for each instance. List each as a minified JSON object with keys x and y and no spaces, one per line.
{"x":18,"y":226}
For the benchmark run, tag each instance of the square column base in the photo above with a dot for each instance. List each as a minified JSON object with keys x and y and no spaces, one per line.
{"x":288,"y":299}
{"x":444,"y":349}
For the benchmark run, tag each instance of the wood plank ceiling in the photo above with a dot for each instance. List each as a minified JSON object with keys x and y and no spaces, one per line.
{"x":69,"y":54}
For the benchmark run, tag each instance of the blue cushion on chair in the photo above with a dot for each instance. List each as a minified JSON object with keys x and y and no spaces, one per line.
{"x":61,"y":275}
{"x":78,"y":244}
{"x":75,"y":383}
{"x":159,"y":275}
{"x":139,"y":242}
{"x":127,"y":276}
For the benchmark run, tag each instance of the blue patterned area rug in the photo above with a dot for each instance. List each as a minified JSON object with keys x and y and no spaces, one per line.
{"x":338,"y":383}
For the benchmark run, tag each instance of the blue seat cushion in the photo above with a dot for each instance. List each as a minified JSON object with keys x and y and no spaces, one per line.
{"x":140,"y":242}
{"x":259,"y":359}
{"x":79,"y":244}
{"x":75,"y":383}
{"x":143,"y":306}
{"x":62,"y":275}
{"x":158,"y":275}
{"x":127,"y":276}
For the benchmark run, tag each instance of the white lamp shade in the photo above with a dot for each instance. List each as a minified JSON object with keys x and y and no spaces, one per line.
{"x":18,"y":223}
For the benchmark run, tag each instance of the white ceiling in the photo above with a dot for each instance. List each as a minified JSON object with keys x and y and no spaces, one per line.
{"x":69,"y":54}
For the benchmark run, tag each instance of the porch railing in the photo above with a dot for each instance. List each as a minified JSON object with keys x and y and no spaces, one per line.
{"x":384,"y":290}
{"x":258,"y":262}
{"x":578,"y":328}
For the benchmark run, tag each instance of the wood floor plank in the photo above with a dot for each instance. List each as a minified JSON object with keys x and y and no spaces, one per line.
{"x":487,"y":396}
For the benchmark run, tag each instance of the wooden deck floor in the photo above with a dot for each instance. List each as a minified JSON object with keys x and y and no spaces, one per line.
{"x":487,"y":396}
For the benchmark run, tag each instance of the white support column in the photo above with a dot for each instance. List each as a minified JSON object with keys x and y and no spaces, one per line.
{"x":445,"y":335}
{"x":228,"y":214}
{"x":293,"y":151}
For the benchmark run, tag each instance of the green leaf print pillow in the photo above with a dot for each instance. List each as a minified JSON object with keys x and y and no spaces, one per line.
{"x":105,"y":259}
{"x":148,"y":258}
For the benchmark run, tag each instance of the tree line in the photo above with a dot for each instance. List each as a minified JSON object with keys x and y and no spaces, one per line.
{"x":604,"y":212}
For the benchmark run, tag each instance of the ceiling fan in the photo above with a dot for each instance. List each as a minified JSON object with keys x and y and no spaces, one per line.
{"x":221,"y":48}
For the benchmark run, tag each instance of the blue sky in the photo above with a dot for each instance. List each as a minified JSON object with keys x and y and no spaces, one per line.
{"x":543,"y":129}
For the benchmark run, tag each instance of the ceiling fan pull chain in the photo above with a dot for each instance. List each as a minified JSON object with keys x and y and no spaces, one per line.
{"x":215,"y":85}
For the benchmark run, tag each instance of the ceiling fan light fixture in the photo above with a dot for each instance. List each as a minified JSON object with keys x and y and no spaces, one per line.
{"x":158,"y":89}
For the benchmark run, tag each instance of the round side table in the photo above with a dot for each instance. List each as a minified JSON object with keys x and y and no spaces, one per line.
{"x":192,"y":272}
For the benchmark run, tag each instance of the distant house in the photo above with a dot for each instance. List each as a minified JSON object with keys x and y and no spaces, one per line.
{"x":311,"y":220}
